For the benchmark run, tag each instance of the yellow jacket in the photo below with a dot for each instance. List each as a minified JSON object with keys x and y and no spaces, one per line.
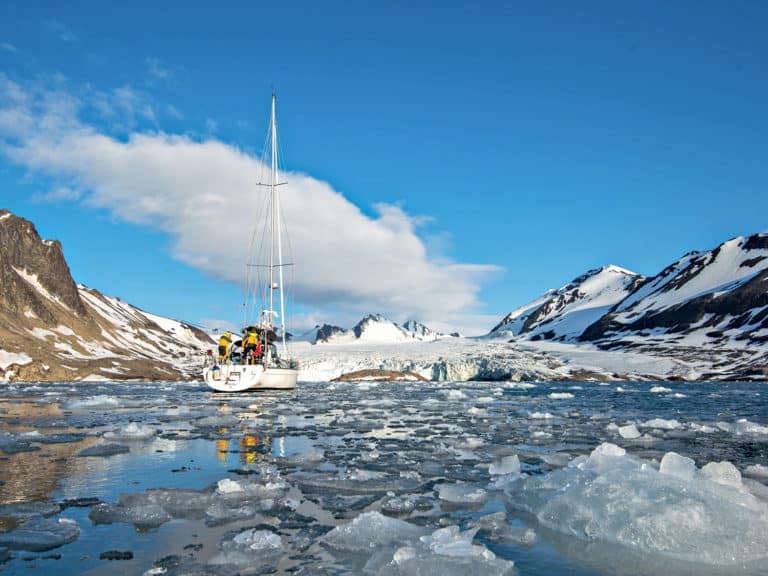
{"x":251,"y":339}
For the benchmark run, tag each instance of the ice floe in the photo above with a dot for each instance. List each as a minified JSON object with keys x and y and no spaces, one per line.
{"x":132,"y":431}
{"x":38,"y":534}
{"x":675,"y":510}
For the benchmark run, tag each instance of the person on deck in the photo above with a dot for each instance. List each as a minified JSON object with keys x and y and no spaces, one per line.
{"x":224,"y":342}
{"x":251,"y":347}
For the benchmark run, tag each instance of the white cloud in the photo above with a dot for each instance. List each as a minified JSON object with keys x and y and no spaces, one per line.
{"x":174,"y":112}
{"x":203,"y":194}
{"x":156,"y":69}
{"x":62,"y":194}
{"x":60,"y":30}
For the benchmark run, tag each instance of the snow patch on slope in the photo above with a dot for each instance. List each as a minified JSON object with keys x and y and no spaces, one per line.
{"x":566,"y":312}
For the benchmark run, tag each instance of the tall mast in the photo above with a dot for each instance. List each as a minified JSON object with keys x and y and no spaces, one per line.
{"x":279,"y":228}
{"x":276,"y":230}
{"x":273,"y":198}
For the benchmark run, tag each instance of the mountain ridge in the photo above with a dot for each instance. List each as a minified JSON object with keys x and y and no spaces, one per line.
{"x":704,"y":316}
{"x":54,"y":329}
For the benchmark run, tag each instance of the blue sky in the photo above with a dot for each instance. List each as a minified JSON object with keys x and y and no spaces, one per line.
{"x":450,"y":161}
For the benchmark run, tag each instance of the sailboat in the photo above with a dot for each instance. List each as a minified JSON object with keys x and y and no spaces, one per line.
{"x":241,"y":371}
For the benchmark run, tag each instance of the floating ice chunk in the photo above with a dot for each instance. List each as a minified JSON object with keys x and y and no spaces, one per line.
{"x":455,"y":395}
{"x":257,"y":540}
{"x":143,"y":514}
{"x":398,"y":506}
{"x":661,"y":424}
{"x":38,"y":534}
{"x":371,"y":530}
{"x":627,"y":501}
{"x":404,"y":554}
{"x":446,"y":552}
{"x":660,"y":390}
{"x":310,"y":455}
{"x":251,"y":547}
{"x":505,"y":465}
{"x":497,"y":528}
{"x":27,"y":509}
{"x":519,"y":385}
{"x":179,"y":502}
{"x":93,"y":403}
{"x":227,"y":486}
{"x":132,"y":431}
{"x":6,"y":438}
{"x":607,"y":449}
{"x":150,"y":509}
{"x":450,"y":541}
{"x":541,"y":416}
{"x":473,"y":442}
{"x":12,"y":444}
{"x":222,"y":512}
{"x":461,"y":493}
{"x":612,"y":427}
{"x":723,"y":473}
{"x":361,"y":475}
{"x":560,"y":395}
{"x":742,"y":427}
{"x":756,"y":471}
{"x":475,"y":411}
{"x":104,"y":450}
{"x":239,"y":490}
{"x":338,"y":484}
{"x":673,"y":464}
{"x":629,"y":431}
{"x":703,"y":428}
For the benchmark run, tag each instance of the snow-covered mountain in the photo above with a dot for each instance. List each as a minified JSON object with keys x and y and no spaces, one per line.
{"x":319,"y":334}
{"x":379,"y":329}
{"x":707,"y":310}
{"x":53,"y":329}
{"x":422,"y":332}
{"x":565,"y":313}
{"x":372,"y":329}
{"x":716,"y":297}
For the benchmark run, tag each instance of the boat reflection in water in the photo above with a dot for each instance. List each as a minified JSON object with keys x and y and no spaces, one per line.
{"x":243,"y":439}
{"x":250,"y":448}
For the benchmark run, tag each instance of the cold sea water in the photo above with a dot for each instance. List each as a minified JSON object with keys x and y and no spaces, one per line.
{"x":385,"y":478}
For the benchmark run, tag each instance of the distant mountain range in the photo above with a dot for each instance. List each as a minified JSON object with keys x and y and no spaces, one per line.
{"x":716,"y":297}
{"x":373,"y":328}
{"x":708,"y":306}
{"x":53,"y":329}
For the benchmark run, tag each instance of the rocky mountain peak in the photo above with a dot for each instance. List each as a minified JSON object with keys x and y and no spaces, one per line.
{"x":35,"y":276}
{"x":53,"y":329}
{"x":565,"y":312}
{"x":361,"y":326}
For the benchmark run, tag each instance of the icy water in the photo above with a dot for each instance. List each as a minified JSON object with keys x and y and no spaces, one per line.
{"x":385,"y":478}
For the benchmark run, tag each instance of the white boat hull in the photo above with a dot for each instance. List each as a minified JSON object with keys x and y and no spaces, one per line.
{"x":279,"y":378}
{"x":240,"y":378}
